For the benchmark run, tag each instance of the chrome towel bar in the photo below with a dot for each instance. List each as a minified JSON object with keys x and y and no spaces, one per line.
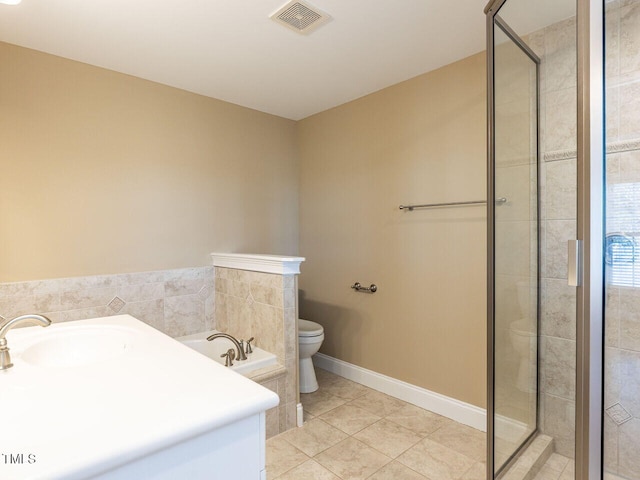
{"x":499,"y":201}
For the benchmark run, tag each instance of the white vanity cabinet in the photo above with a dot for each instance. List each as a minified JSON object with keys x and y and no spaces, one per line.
{"x":112,"y":398}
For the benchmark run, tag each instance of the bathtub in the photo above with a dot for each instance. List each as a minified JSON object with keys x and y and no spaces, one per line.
{"x":255,"y":361}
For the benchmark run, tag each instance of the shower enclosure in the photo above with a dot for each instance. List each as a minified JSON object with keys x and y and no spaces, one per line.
{"x":564,"y":250}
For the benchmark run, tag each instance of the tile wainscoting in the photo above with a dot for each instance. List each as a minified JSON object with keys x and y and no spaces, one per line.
{"x":176,"y":302}
{"x":183,"y":302}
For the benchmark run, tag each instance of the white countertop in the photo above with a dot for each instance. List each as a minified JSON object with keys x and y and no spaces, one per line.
{"x":82,"y":419}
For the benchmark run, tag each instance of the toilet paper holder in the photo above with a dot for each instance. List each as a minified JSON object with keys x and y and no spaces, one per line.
{"x":373,"y":288}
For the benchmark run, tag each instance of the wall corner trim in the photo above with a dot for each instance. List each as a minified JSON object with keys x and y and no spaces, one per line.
{"x":278,"y":264}
{"x":457,"y":410}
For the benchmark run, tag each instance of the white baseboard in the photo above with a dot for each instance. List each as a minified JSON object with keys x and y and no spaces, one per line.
{"x":462,"y":412}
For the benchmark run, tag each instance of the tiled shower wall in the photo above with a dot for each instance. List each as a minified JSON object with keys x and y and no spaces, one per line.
{"x":176,"y":302}
{"x":556,"y":47}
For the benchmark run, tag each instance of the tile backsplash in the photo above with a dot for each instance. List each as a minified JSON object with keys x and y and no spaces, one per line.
{"x":177,"y":302}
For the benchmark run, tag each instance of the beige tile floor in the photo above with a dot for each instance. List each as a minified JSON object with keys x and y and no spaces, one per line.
{"x":557,"y":467}
{"x":352,"y":432}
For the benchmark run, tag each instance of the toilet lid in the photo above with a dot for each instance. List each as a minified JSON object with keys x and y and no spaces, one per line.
{"x":309,"y":329}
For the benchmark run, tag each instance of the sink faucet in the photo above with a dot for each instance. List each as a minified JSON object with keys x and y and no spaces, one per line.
{"x":241,"y":355}
{"x":5,"y":358}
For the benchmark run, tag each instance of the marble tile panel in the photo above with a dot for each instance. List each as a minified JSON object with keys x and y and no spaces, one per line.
{"x":418,"y":420}
{"x":629,"y":319}
{"x":90,"y":297}
{"x":184,"y":315}
{"x":558,"y":357}
{"x":629,"y":38}
{"x":510,"y":260}
{"x":561,"y":190}
{"x":559,"y":423}
{"x":272,"y":422}
{"x":352,"y":460}
{"x":558,"y":309}
{"x":613,"y":168}
{"x":561,"y":120}
{"x":463,"y":439}
{"x":629,"y":371}
{"x":314,"y":437}
{"x":388,"y":437}
{"x":141,"y":292}
{"x":289,"y":282}
{"x":560,"y":55}
{"x":612,"y":316}
{"x":435,"y":461}
{"x":281,"y":456}
{"x":26,"y":289}
{"x":80,"y":314}
{"x":11,"y":307}
{"x":612,"y":115}
{"x":267,"y":295}
{"x":612,"y":379}
{"x":140,"y":278}
{"x":396,"y":471}
{"x":309,"y":470}
{"x":629,"y":449}
{"x":557,"y":233}
{"x":349,"y":419}
{"x":150,"y":312}
{"x":610,"y":445}
{"x":268,"y":329}
{"x":187,"y":281}
{"x":629,"y":105}
{"x":630,"y":164}
{"x":221,"y":316}
{"x":612,"y":39}
{"x":210,"y":312}
{"x":264,"y":279}
{"x":73,"y":284}
{"x":378,"y":403}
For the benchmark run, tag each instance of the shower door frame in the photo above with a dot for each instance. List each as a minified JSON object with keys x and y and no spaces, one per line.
{"x":493,"y":19}
{"x":589,"y":233}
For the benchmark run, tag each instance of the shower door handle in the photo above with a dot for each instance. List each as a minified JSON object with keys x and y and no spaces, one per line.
{"x":574,"y":266}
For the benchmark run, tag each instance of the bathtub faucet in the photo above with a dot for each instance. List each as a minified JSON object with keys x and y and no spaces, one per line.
{"x":5,"y":358}
{"x":241,"y":355}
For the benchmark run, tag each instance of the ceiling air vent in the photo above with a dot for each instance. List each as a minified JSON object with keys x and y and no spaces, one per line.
{"x":300,"y":16}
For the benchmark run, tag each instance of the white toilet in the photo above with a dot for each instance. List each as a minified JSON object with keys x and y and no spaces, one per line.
{"x":310,"y":337}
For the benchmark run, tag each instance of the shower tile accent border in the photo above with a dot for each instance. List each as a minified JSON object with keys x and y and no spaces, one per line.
{"x":177,"y":302}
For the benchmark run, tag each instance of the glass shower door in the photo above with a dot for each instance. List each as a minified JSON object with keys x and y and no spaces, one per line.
{"x":515,"y":255}
{"x":621,"y":425}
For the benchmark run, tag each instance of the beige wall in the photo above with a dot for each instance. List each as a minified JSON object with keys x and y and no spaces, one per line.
{"x":417,"y":142}
{"x":107,"y":173}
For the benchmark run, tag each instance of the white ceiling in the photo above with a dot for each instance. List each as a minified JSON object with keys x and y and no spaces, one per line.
{"x":231,"y":50}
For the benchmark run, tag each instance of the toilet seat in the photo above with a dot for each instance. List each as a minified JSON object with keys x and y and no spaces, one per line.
{"x":307,"y":328}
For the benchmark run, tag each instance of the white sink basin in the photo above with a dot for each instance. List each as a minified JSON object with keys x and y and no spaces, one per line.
{"x":85,"y":345}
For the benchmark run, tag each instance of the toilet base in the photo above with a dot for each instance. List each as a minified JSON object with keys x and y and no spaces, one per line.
{"x":307,"y":375}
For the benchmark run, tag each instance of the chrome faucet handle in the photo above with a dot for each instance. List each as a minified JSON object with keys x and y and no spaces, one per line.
{"x":5,"y":358}
{"x":230,"y":357}
{"x":249,"y":349}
